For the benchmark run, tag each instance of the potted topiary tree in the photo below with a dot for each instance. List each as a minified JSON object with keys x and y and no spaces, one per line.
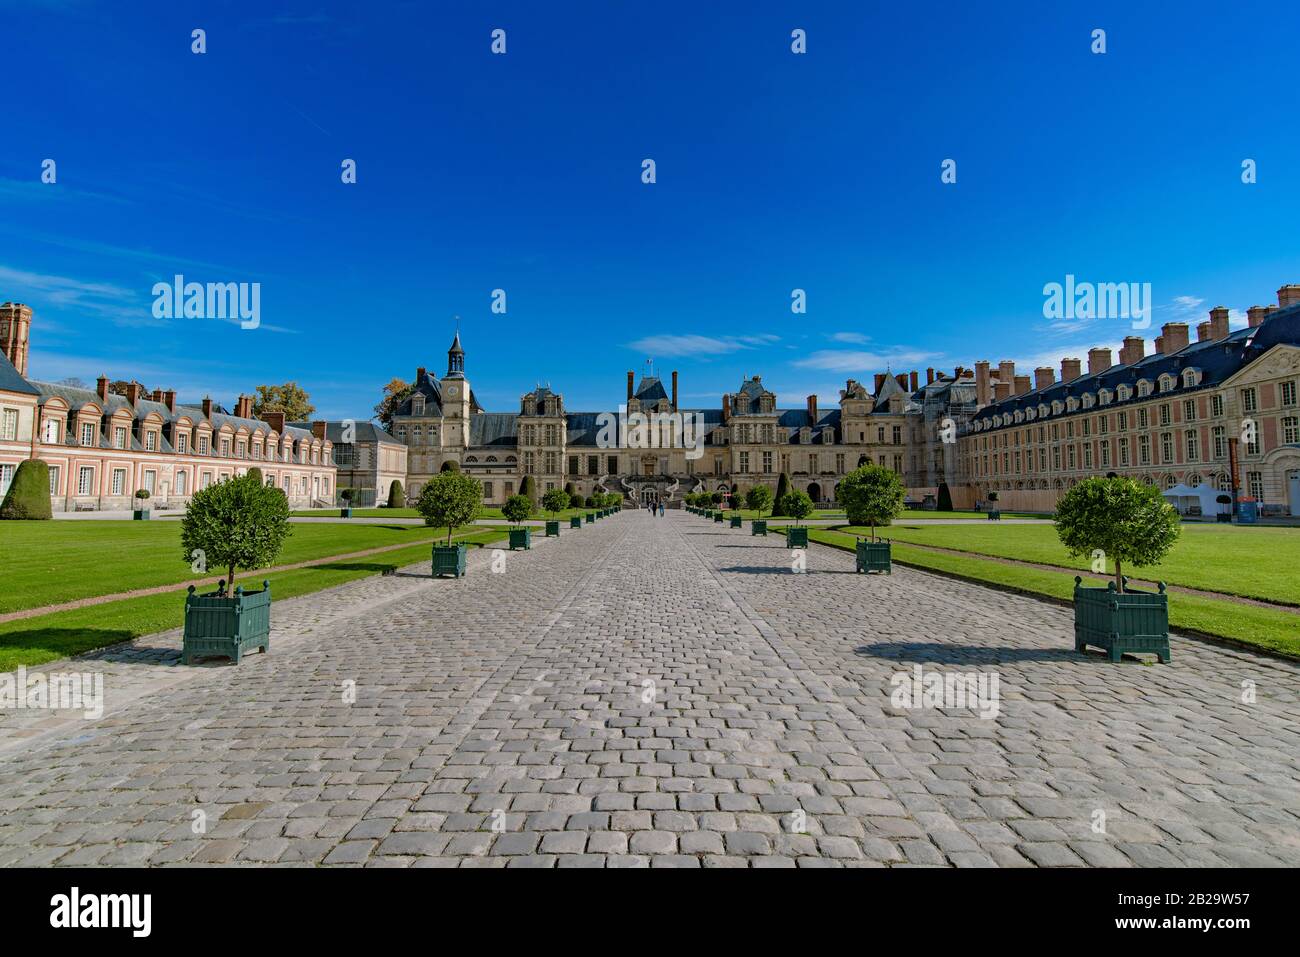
{"x":556,"y":500}
{"x":995,"y":513}
{"x":1124,"y":521}
{"x":590,"y":504}
{"x":872,"y":495}
{"x":516,"y":509}
{"x":238,"y":523}
{"x":450,"y":499}
{"x":346,"y":510}
{"x":758,"y":499}
{"x":396,"y":495}
{"x":29,"y":492}
{"x":141,"y":512}
{"x":798,"y":506}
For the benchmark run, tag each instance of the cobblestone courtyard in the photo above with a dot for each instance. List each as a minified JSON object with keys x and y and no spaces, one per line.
{"x":659,"y":692}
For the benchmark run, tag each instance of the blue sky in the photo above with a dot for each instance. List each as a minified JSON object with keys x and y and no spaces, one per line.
{"x":522,"y":172}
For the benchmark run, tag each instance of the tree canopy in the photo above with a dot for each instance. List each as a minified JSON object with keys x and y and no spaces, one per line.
{"x":289,"y":398}
{"x":451,"y":499}
{"x":1125,"y":520}
{"x":759,"y":499}
{"x":871,"y":495}
{"x":238,"y":523}
{"x":396,"y":392}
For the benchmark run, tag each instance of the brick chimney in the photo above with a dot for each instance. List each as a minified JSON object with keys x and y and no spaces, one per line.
{"x":902,"y":380}
{"x":726,"y":408}
{"x":1071,"y":369}
{"x":1203,"y":331}
{"x":1256,"y":314}
{"x":929,"y":376}
{"x":1219,"y":323}
{"x":133,"y":390}
{"x":318,"y":429}
{"x":880,"y":381}
{"x":207,"y":407}
{"x":912,"y":380}
{"x":1001,"y":391}
{"x":1007,"y":371}
{"x":1044,"y":377}
{"x":1135,"y":348}
{"x":1020,"y":385}
{"x":275,"y":420}
{"x":1288,"y":295}
{"x":631,"y":377}
{"x":674,"y":390}
{"x":169,"y":397}
{"x":101,"y":388}
{"x":982,"y":394}
{"x":419,"y":374}
{"x":1098,"y":360}
{"x":1173,"y":337}
{"x":15,"y":334}
{"x":812,"y":409}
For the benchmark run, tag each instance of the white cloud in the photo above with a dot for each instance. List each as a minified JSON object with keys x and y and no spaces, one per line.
{"x":855,"y":338}
{"x":862,"y":361}
{"x":696,"y":345}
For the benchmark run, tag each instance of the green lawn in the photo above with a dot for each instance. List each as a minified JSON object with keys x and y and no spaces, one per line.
{"x":1275,"y":630}
{"x":907,"y":513}
{"x":1255,"y":562}
{"x":33,"y":641}
{"x":487,"y":513}
{"x":44,"y":563}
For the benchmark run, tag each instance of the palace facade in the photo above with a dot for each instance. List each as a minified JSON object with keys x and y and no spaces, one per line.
{"x":102,"y":447}
{"x":1222,"y":411}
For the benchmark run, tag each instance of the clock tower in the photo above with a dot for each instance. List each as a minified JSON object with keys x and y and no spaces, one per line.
{"x":455,"y":399}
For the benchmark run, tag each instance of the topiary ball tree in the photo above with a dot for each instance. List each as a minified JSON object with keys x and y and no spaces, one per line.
{"x":759,"y":499}
{"x":450,"y":499}
{"x":1125,"y":520}
{"x":782,"y":490}
{"x":29,"y":493}
{"x":993,"y":496}
{"x":556,"y":500}
{"x":798,"y":506}
{"x":945,"y":498}
{"x":141,"y":496}
{"x":238,"y":523}
{"x":346,"y":494}
{"x":715,"y":498}
{"x":517,"y":508}
{"x":396,"y":495}
{"x":871,"y":495}
{"x":256,"y":473}
{"x":590,"y":502}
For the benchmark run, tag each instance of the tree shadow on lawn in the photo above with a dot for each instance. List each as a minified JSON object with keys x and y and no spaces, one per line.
{"x":37,"y":646}
{"x":920,"y":652}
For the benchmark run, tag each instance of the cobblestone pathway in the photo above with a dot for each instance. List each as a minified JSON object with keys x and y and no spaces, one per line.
{"x":660,"y":692}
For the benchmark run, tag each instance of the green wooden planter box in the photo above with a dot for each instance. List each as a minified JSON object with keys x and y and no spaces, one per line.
{"x":1135,"y":622}
{"x":575,"y":521}
{"x":226,"y":627}
{"x":873,"y":556}
{"x":735,"y":521}
{"x":140,"y":515}
{"x":552,"y":529}
{"x":758,"y":527}
{"x":796,"y":538}
{"x":521,"y":538}
{"x":995,"y":515}
{"x":345,"y":513}
{"x":591,"y":517}
{"x":449,"y":560}
{"x":718,"y":517}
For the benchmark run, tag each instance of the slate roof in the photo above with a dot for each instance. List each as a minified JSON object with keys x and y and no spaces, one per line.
{"x":493,"y":428}
{"x":651,"y":390}
{"x":11,"y":381}
{"x":362,"y":432}
{"x":1216,"y":360}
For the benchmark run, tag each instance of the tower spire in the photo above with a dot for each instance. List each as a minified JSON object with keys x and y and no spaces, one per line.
{"x":456,"y":356}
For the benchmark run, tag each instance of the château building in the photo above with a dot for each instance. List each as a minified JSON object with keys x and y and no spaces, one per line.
{"x":102,"y":448}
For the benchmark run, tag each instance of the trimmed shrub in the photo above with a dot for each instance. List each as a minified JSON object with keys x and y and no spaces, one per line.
{"x":782,"y":490}
{"x":29,"y":493}
{"x":1124,"y":520}
{"x":396,"y":495}
{"x":528,"y":489}
{"x":556,"y":500}
{"x":759,"y":499}
{"x":450,"y":499}
{"x":798,"y":506}
{"x":257,"y":473}
{"x":945,"y":498}
{"x":590,"y":502}
{"x":238,"y":523}
{"x":871,"y":495}
{"x":517,"y":508}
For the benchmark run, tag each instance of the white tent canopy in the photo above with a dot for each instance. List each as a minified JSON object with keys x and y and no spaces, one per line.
{"x":1184,"y":497}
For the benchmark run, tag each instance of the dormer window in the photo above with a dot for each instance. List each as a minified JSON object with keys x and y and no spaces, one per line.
{"x":1191,"y":378}
{"x":119,"y":437}
{"x":1167,"y":383}
{"x":417,"y":405}
{"x":1144,"y":388}
{"x":805,"y":435}
{"x":1124,"y":393}
{"x":150,"y":441}
{"x":1104,"y":396}
{"x":87,"y":433}
{"x":50,"y":432}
